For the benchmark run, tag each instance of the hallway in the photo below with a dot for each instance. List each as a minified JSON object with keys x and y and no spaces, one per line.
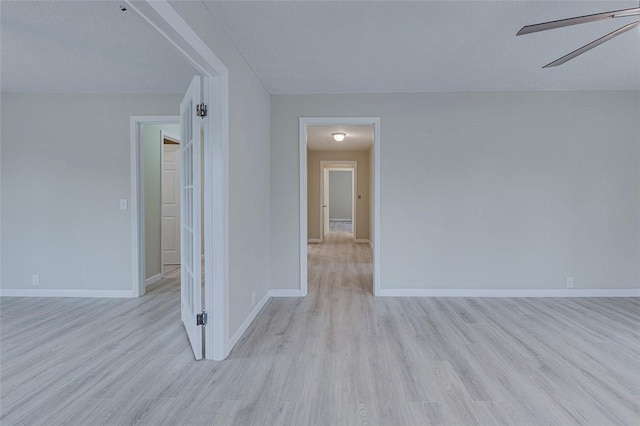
{"x":339,"y":265}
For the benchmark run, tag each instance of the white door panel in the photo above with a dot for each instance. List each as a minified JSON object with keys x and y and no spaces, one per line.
{"x":190,"y":218}
{"x":170,"y":238}
{"x":325,"y":203}
{"x":171,"y":205}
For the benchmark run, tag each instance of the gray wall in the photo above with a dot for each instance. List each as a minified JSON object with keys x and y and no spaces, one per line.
{"x":152,"y":172}
{"x":485,"y":190}
{"x":249,"y":168}
{"x":65,"y":165}
{"x":340,"y":194}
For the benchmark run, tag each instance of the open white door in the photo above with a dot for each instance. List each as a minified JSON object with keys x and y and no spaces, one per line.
{"x":190,"y":220}
{"x":170,"y":191}
{"x":325,"y":203}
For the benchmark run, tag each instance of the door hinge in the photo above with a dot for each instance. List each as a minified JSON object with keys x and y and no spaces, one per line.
{"x":201,"y":110}
{"x":201,"y":319}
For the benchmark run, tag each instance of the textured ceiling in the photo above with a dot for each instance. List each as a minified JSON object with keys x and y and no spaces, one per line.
{"x":358,"y":138}
{"x":421,"y":46}
{"x":60,"y":46}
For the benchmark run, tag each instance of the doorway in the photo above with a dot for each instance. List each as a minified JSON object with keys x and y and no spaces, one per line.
{"x":170,"y":202}
{"x":338,"y":198}
{"x":152,"y":134}
{"x":168,"y":190}
{"x":215,"y":92}
{"x":366,"y":192}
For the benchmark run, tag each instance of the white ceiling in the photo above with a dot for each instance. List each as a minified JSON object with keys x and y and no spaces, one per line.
{"x":322,"y":47}
{"x":358,"y":138}
{"x":61,"y":46}
{"x":421,"y":46}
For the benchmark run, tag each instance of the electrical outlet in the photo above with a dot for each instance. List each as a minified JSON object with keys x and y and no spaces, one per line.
{"x":35,"y":280}
{"x":569,"y":282}
{"x":124,"y":204}
{"x":253,"y":299}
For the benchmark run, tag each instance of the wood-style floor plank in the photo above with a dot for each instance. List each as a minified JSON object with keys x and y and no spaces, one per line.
{"x":337,"y":357}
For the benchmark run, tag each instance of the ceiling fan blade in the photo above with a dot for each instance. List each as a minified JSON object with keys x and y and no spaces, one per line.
{"x":591,"y":45}
{"x":544,"y":26}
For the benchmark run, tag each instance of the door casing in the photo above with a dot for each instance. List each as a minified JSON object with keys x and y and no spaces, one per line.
{"x":137,"y":206}
{"x":302,"y":147}
{"x":325,"y":167}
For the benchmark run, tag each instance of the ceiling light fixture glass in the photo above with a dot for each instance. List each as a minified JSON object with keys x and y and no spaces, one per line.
{"x":338,"y":137}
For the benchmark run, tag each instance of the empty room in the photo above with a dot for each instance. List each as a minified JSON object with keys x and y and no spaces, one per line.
{"x":363,"y":212}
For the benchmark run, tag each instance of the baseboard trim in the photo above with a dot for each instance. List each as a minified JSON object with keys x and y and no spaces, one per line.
{"x":152,"y":279}
{"x":314,"y":240}
{"x":339,"y":220}
{"x":256,"y":310}
{"x":362,"y":241}
{"x":18,"y":292}
{"x":247,"y":322}
{"x":285,"y":292}
{"x":509,"y":293}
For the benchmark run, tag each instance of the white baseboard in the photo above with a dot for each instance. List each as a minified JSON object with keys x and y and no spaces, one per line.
{"x":256,"y":310}
{"x":314,"y":240}
{"x":509,"y":293}
{"x":247,"y":322}
{"x":152,"y":279}
{"x":285,"y":292}
{"x":28,"y":292}
{"x":339,"y":220}
{"x":362,"y":241}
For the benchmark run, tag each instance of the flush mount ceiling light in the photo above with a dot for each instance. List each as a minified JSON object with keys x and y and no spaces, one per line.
{"x":338,"y":137}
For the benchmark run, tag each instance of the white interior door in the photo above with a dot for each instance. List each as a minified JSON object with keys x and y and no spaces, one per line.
{"x":170,"y":204}
{"x":325,"y":202}
{"x":190,"y":220}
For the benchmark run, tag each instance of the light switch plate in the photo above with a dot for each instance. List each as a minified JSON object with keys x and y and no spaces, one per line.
{"x":124,"y":204}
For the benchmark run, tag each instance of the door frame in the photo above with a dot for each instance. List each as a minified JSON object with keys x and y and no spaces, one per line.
{"x":169,"y":136}
{"x":375,"y":241}
{"x":160,"y":15}
{"x":346,"y":165}
{"x":138,"y":248}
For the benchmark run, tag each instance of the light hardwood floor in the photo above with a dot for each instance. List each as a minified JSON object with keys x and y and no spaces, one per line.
{"x":337,"y":357}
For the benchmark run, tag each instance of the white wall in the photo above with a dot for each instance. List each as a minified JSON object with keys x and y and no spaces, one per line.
{"x":65,"y":166}
{"x":485,"y":190}
{"x":249,"y":168}
{"x":340,"y":194}
{"x":371,"y":197}
{"x":152,"y":172}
